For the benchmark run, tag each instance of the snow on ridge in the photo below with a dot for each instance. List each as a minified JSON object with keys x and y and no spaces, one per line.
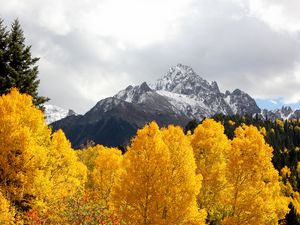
{"x":54,"y":113}
{"x":233,"y":105}
{"x":126,"y":95}
{"x":136,"y":94}
{"x":181,"y":98}
{"x":285,"y":112}
{"x":189,"y":105}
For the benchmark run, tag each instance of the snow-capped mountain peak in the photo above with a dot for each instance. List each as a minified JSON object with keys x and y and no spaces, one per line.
{"x":182,"y":79}
{"x":180,"y":71}
{"x":241,"y":103}
{"x":135,"y":94}
{"x":54,"y":113}
{"x":189,"y":94}
{"x":286,"y":111}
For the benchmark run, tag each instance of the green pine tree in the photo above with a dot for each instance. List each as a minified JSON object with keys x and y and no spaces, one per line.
{"x":4,"y":87}
{"x":20,"y":69}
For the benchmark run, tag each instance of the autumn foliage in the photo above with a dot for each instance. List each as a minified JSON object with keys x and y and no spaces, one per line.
{"x":158,"y":184}
{"x":210,"y":146}
{"x":254,"y":189}
{"x":165,"y":177}
{"x":38,"y":170}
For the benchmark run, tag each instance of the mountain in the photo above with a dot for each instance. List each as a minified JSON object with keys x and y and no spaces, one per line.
{"x":113,"y":121}
{"x":285,"y":113}
{"x":54,"y":113}
{"x":176,"y":98}
{"x":191,"y":95}
{"x":197,"y":98}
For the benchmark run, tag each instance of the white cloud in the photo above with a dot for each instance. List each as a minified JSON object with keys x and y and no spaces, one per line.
{"x":280,"y":15}
{"x":91,"y":49}
{"x":129,"y":22}
{"x":273,"y":102}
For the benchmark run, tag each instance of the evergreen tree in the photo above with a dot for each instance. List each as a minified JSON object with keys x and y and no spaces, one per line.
{"x":3,"y":58}
{"x":18,"y":68}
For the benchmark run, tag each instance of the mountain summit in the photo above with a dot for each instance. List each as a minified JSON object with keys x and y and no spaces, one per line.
{"x":182,"y":79}
{"x":190,"y":95}
{"x":54,"y":113}
{"x":178,"y":97}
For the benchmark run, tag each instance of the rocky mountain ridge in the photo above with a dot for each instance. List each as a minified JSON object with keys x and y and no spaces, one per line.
{"x":285,"y":113}
{"x":178,"y":97}
{"x":191,"y":95}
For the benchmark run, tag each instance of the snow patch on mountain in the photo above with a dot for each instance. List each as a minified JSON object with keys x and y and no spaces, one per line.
{"x":233,"y":105}
{"x":54,"y":113}
{"x":188,"y":105}
{"x":285,"y":112}
{"x":137,"y":94}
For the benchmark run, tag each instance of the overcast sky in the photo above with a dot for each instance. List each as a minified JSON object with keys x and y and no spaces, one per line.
{"x":91,"y":49}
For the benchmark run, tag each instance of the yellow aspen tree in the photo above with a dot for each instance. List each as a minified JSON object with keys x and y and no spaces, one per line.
{"x":85,"y":207}
{"x":294,"y":196}
{"x":6,"y":211}
{"x":68,"y":174}
{"x":88,"y":155}
{"x":62,"y":177}
{"x":210,"y":146}
{"x":288,"y":189}
{"x":24,"y":137}
{"x":103,"y":165}
{"x":255,"y":192}
{"x":138,"y":194}
{"x":285,"y":172}
{"x":152,"y":189}
{"x":107,"y":166}
{"x":182,"y":185}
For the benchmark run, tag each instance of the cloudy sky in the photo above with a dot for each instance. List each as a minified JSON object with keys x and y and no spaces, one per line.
{"x":91,"y":49}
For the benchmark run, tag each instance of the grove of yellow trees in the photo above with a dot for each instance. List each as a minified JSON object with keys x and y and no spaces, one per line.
{"x":165,"y":177}
{"x":254,"y":189}
{"x":38,"y":171}
{"x":158,"y":184}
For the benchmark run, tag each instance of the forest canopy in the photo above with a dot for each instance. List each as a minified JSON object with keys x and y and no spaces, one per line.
{"x":165,"y":176}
